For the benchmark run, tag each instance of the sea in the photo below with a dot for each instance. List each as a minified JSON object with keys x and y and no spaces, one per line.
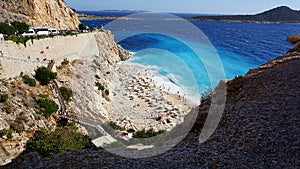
{"x":195,"y":55}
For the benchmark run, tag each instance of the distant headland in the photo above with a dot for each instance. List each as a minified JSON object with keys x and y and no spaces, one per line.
{"x":282,"y":14}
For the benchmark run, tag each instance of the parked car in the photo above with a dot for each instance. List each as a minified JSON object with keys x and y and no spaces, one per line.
{"x":53,"y":31}
{"x":30,"y":32}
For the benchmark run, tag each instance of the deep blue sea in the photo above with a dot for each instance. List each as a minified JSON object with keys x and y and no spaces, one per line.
{"x":240,"y":46}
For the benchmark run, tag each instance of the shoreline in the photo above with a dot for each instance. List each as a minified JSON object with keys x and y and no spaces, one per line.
{"x":166,"y":83}
{"x":138,"y":102}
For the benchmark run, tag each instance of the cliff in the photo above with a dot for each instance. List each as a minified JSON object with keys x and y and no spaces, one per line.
{"x":39,"y":13}
{"x":259,"y":128}
{"x":281,"y":14}
{"x":20,"y":112}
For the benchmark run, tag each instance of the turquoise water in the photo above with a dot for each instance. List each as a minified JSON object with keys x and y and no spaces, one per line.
{"x":198,"y":63}
{"x":173,"y":58}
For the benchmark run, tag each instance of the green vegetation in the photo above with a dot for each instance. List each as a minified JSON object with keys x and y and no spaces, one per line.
{"x":9,"y":133}
{"x":130,"y":130}
{"x":63,"y":139}
{"x":21,"y":40}
{"x":3,"y":98}
{"x":106,"y":92}
{"x":44,"y":75}
{"x":66,"y":93}
{"x":65,"y":62}
{"x":20,"y":27}
{"x":28,"y":80}
{"x":97,"y":77}
{"x":100,"y":86}
{"x":147,"y":134}
{"x":43,"y":96}
{"x":114,"y":126}
{"x":7,"y":29}
{"x":82,"y":26}
{"x":47,"y":107}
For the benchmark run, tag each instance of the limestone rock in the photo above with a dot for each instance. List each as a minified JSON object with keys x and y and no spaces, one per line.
{"x":39,"y":13}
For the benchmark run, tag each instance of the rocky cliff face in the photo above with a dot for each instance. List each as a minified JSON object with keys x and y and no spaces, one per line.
{"x":48,"y":13}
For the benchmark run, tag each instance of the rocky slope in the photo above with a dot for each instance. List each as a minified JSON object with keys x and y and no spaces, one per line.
{"x":47,"y":13}
{"x":259,"y":129}
{"x":20,"y":111}
{"x":19,"y":114}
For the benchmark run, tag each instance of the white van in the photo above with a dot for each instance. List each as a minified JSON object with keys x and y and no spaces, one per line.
{"x":30,"y":32}
{"x":42,"y":31}
{"x":53,"y":31}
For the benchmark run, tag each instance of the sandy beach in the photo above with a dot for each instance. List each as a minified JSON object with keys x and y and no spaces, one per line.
{"x":139,"y":102}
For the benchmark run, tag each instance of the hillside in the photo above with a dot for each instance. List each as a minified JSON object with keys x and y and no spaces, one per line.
{"x":19,"y":112}
{"x":49,"y":13}
{"x":259,"y":129}
{"x":281,"y":14}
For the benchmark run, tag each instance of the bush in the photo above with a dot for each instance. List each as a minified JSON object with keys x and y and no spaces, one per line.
{"x":66,"y":93}
{"x":43,"y":96}
{"x":29,"y":81}
{"x":6,"y":29}
{"x":63,"y":139}
{"x":114,"y":126}
{"x":20,"y":27}
{"x":20,"y":40}
{"x":47,"y":107}
{"x":107,"y":92}
{"x":3,"y":98}
{"x":100,"y":86}
{"x":9,"y":133}
{"x":82,"y":26}
{"x":44,"y":75}
{"x":147,"y":134}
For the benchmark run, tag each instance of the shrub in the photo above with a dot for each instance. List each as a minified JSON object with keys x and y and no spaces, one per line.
{"x":63,"y":139}
{"x":3,"y":98}
{"x":9,"y":133}
{"x":147,"y":134}
{"x":100,"y":86}
{"x":44,"y":75}
{"x":82,"y":26}
{"x":47,"y":107}
{"x":43,"y":96}
{"x":66,"y":93}
{"x":6,"y":29}
{"x":29,"y":81}
{"x":20,"y":40}
{"x":106,"y":92}
{"x":20,"y":27}
{"x":65,"y":62}
{"x":114,"y":126}
{"x":130,"y":130}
